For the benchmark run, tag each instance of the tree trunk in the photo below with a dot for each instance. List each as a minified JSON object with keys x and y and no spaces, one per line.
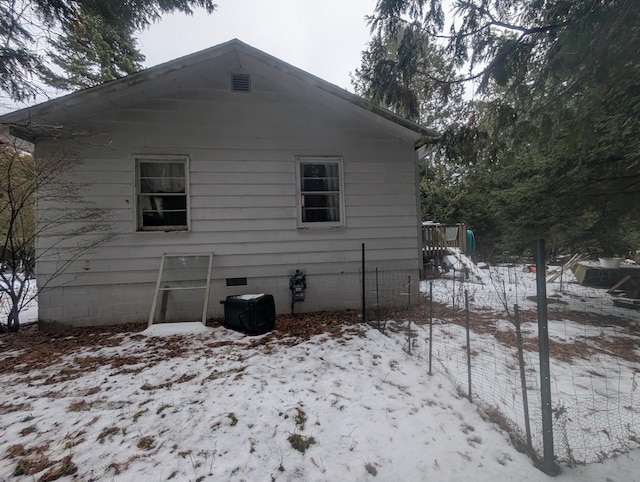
{"x":13,"y":319}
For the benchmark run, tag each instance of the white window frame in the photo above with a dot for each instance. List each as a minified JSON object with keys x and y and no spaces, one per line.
{"x":300,"y":160}
{"x":146,"y":158}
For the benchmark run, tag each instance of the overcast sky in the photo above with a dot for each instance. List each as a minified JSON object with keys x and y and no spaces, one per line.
{"x":323,"y":37}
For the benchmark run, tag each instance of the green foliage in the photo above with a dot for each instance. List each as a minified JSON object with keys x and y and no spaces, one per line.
{"x":402,"y":70}
{"x":92,"y":53}
{"x":551,"y":148}
{"x":87,"y":41}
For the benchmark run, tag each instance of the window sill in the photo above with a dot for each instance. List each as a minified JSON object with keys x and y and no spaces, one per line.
{"x":320,"y":226}
{"x":186,"y":230}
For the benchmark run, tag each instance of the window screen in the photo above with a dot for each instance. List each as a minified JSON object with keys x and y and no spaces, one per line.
{"x":320,"y":196}
{"x":162,"y":194}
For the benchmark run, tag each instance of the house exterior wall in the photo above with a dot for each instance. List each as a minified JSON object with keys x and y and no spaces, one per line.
{"x":242,"y":150}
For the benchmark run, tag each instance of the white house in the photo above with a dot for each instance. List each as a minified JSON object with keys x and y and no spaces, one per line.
{"x":233,"y":152}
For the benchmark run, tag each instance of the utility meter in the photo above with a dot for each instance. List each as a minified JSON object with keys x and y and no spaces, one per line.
{"x":297,"y":285}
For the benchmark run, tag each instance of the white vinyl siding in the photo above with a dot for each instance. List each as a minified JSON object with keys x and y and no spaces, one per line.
{"x":242,"y":156}
{"x":162,"y":194}
{"x":320,"y":192}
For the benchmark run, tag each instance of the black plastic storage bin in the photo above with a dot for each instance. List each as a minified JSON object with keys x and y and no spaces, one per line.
{"x":251,"y":314}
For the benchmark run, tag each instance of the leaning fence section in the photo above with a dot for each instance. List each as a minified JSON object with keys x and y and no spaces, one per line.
{"x":468,"y":332}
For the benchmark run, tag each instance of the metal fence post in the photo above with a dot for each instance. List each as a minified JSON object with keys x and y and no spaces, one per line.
{"x":523,"y":379}
{"x":453,"y":303}
{"x":549,"y":465}
{"x":377,"y":299}
{"x":364,"y":293}
{"x":430,"y":324}
{"x":467,"y":324}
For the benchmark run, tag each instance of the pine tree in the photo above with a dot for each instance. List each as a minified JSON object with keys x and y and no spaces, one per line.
{"x":75,"y":43}
{"x":551,"y":148}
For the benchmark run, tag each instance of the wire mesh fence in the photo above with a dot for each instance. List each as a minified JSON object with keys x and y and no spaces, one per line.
{"x":387,"y":292}
{"x":594,"y":359}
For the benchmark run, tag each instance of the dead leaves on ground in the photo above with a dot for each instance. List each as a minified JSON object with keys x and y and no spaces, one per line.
{"x":620,"y":346}
{"x":30,"y":351}
{"x":31,"y":461}
{"x":50,"y":359}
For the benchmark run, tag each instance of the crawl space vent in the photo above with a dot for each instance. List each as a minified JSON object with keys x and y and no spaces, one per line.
{"x":240,"y":82}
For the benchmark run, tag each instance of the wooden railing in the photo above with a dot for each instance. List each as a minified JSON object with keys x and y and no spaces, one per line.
{"x":436,"y":238}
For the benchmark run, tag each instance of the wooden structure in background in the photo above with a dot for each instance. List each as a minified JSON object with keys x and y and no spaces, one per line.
{"x":625,"y":279}
{"x":437,"y":241}
{"x":437,"y":238}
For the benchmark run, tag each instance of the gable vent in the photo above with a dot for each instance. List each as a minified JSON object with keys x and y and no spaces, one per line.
{"x":240,"y":82}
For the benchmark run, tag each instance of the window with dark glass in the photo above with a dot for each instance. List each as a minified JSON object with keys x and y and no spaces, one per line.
{"x":162,"y":194}
{"x":320,"y":196}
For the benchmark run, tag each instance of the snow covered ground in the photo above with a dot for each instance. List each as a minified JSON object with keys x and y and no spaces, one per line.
{"x":503,"y":286}
{"x":193,"y":403}
{"x":594,"y":358}
{"x":29,"y":314}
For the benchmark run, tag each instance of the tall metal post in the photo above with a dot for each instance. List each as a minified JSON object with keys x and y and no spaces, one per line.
{"x":364,"y":293}
{"x":549,"y":465}
{"x":468,"y":329}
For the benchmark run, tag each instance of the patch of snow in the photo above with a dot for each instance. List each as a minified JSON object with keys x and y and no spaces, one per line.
{"x":249,"y":297}
{"x":172,"y":329}
{"x":460,"y":261}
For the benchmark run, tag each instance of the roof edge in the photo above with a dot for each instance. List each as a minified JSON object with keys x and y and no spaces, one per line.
{"x":71,"y":99}
{"x":336,"y":90}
